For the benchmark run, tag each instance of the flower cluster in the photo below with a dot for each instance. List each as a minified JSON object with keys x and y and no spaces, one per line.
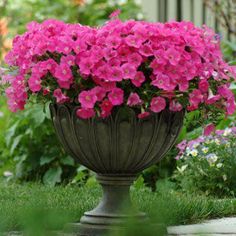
{"x":207,"y":163}
{"x":200,"y":146}
{"x":146,"y":66}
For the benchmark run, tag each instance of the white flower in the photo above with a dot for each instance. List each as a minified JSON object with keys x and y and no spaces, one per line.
{"x":214,"y":74}
{"x":182,"y":168}
{"x":217,"y":141}
{"x":224,"y":177}
{"x":194,"y":152}
{"x":195,"y":145}
{"x":111,"y":3}
{"x":122,"y":2}
{"x":212,"y":158}
{"x":140,"y":16}
{"x":1,"y":114}
{"x":227,"y":144}
{"x":205,"y":150}
{"x":227,"y":132}
{"x":7,"y":174}
{"x":219,"y":165}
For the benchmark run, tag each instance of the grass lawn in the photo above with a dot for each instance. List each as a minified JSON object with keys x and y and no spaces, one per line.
{"x":34,"y":205}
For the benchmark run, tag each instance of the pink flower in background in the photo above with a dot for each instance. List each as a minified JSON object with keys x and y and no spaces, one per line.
{"x":230,"y":106}
{"x":134,"y":100}
{"x":116,"y":96}
{"x":158,"y":104}
{"x":115,"y":13}
{"x":34,"y":84}
{"x":85,"y":113}
{"x":63,"y":72}
{"x":60,"y":97}
{"x":138,"y":79}
{"x":87,"y":99}
{"x":209,"y":129}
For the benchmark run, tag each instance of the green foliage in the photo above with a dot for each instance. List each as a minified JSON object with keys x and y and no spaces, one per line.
{"x":32,"y":142}
{"x":101,"y":10}
{"x":208,"y":166}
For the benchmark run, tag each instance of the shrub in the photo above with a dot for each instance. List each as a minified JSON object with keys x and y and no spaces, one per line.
{"x":207,"y":164}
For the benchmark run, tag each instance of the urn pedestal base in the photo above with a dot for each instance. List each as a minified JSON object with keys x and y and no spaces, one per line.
{"x":114,"y":210}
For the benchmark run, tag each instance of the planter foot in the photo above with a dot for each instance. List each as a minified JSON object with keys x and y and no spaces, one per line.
{"x":114,"y":210}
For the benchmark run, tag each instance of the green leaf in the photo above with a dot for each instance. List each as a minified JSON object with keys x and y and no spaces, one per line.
{"x":10,"y":133}
{"x":52,"y":176}
{"x":37,"y":113}
{"x":139,"y":183}
{"x":15,"y":143}
{"x":46,"y":159}
{"x":68,"y":161}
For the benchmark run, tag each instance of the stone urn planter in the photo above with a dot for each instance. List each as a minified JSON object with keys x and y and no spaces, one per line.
{"x":117,"y":149}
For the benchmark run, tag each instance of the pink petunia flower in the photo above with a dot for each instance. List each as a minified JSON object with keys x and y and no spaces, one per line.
{"x":116,"y":96}
{"x":175,"y":106}
{"x":69,"y":60}
{"x":87,"y":99}
{"x":63,"y":72}
{"x":163,"y":82}
{"x":60,"y":97}
{"x":134,"y":100}
{"x":99,"y":92}
{"x":129,"y":71}
{"x":143,"y":115}
{"x":173,"y":56}
{"x":106,"y":107}
{"x":116,"y":74}
{"x":158,"y":104}
{"x":138,"y":79}
{"x":195,"y":97}
{"x":203,"y":85}
{"x":85,"y":113}
{"x":34,"y":84}
{"x":133,"y":41}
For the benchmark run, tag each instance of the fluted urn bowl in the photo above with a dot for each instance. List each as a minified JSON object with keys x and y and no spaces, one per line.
{"x":117,"y":148}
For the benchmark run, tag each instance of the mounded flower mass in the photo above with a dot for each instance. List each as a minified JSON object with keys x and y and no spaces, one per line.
{"x":146,"y":66}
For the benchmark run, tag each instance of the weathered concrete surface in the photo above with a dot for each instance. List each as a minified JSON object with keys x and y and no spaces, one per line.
{"x":218,"y":227}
